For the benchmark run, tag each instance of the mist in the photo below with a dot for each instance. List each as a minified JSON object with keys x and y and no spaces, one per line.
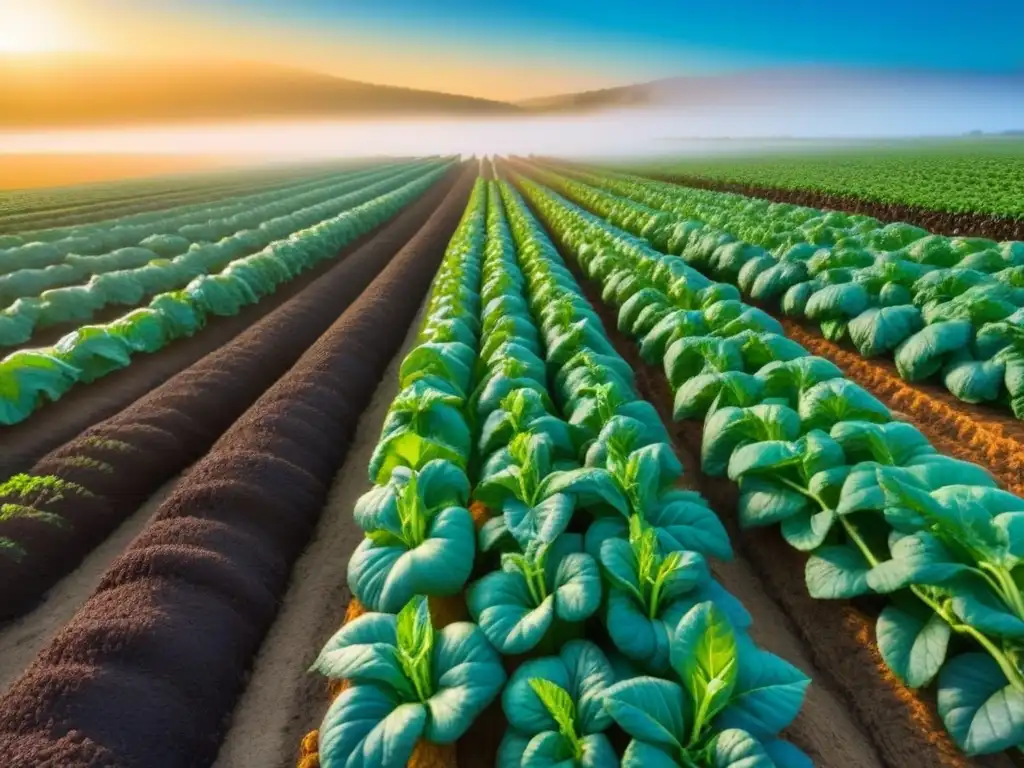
{"x":749,"y":125}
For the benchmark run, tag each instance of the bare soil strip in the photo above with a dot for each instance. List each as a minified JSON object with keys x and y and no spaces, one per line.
{"x":976,"y":433}
{"x":22,"y":639}
{"x":283,"y":700}
{"x":856,"y":712}
{"x":940,"y":222}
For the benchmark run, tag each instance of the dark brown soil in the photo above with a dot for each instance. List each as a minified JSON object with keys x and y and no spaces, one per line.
{"x":148,"y":671}
{"x":83,"y":406}
{"x":939,"y":222}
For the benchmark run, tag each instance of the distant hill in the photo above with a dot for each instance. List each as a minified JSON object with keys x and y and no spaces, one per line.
{"x":76,"y":90}
{"x":775,"y":86}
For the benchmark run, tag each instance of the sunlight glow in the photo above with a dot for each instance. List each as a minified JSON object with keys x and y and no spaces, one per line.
{"x":31,"y":26}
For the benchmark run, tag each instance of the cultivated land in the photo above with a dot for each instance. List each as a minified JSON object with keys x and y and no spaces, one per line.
{"x":440,"y":463}
{"x":968,"y":186}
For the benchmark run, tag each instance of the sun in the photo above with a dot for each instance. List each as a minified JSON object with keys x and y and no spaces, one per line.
{"x":30,"y":26}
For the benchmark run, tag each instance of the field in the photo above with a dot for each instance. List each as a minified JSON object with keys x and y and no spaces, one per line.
{"x":516,"y":462}
{"x":968,"y":186}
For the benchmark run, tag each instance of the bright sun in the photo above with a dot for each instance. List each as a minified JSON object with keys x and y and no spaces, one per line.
{"x":29,"y":26}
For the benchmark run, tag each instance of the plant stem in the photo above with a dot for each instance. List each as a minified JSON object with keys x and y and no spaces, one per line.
{"x":1007,"y":588}
{"x":1005,"y":664}
{"x":698,"y":720}
{"x":652,"y":608}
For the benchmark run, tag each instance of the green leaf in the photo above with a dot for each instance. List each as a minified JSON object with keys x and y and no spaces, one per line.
{"x":913,"y":643}
{"x":919,"y":558}
{"x":365,"y":650}
{"x":763,"y":502}
{"x":640,"y":754}
{"x":367,"y":726}
{"x":768,"y":695}
{"x":500,"y":603}
{"x":650,"y":710}
{"x":577,"y":587}
{"x":975,"y":604}
{"x":837,"y":572}
{"x":738,"y":749}
{"x":683,"y":521}
{"x":415,"y":636}
{"x":705,"y":656}
{"x":830,"y":402}
{"x":980,"y":709}
{"x":386,"y":577}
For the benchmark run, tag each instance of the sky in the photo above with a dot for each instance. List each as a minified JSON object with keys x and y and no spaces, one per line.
{"x":530,"y":48}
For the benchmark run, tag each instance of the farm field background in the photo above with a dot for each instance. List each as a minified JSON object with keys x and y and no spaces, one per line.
{"x":449,"y":385}
{"x":521,"y":398}
{"x":970,"y":174}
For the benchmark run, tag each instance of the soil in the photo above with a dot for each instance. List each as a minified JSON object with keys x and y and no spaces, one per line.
{"x":940,"y":222}
{"x":83,"y":406}
{"x":981,"y":434}
{"x":283,"y":701}
{"x":22,"y":639}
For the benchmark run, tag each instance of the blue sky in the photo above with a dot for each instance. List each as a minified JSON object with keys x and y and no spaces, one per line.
{"x":653,"y":38}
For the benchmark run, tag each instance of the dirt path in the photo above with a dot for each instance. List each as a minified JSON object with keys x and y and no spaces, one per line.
{"x":22,"y":639}
{"x":282,"y":701}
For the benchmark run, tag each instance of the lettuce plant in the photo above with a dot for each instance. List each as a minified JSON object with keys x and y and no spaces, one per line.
{"x":29,"y":376}
{"x":551,"y":584}
{"x":524,"y":411}
{"x":728,"y":707}
{"x":649,"y":591}
{"x":409,"y":682}
{"x":555,"y":709}
{"x":420,"y":537}
{"x":957,"y":553}
{"x":425,"y":422}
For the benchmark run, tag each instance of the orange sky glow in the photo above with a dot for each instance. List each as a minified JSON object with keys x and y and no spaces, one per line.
{"x":111,"y":27}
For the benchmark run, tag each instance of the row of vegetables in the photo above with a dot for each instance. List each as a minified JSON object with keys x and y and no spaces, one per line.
{"x":949,"y":308}
{"x":114,"y":246}
{"x":518,"y":467}
{"x":876,"y":508}
{"x":31,"y":377}
{"x":194,"y":221}
{"x":130,"y":285}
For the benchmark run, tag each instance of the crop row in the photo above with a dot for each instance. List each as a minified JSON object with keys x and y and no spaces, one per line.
{"x":946,"y":307}
{"x":129,"y":681}
{"x":105,"y":247}
{"x":28,"y":378}
{"x":29,"y":212}
{"x":876,"y":508}
{"x":515,"y":399}
{"x":141,"y":272}
{"x":128,"y":228}
{"x":964,"y":177}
